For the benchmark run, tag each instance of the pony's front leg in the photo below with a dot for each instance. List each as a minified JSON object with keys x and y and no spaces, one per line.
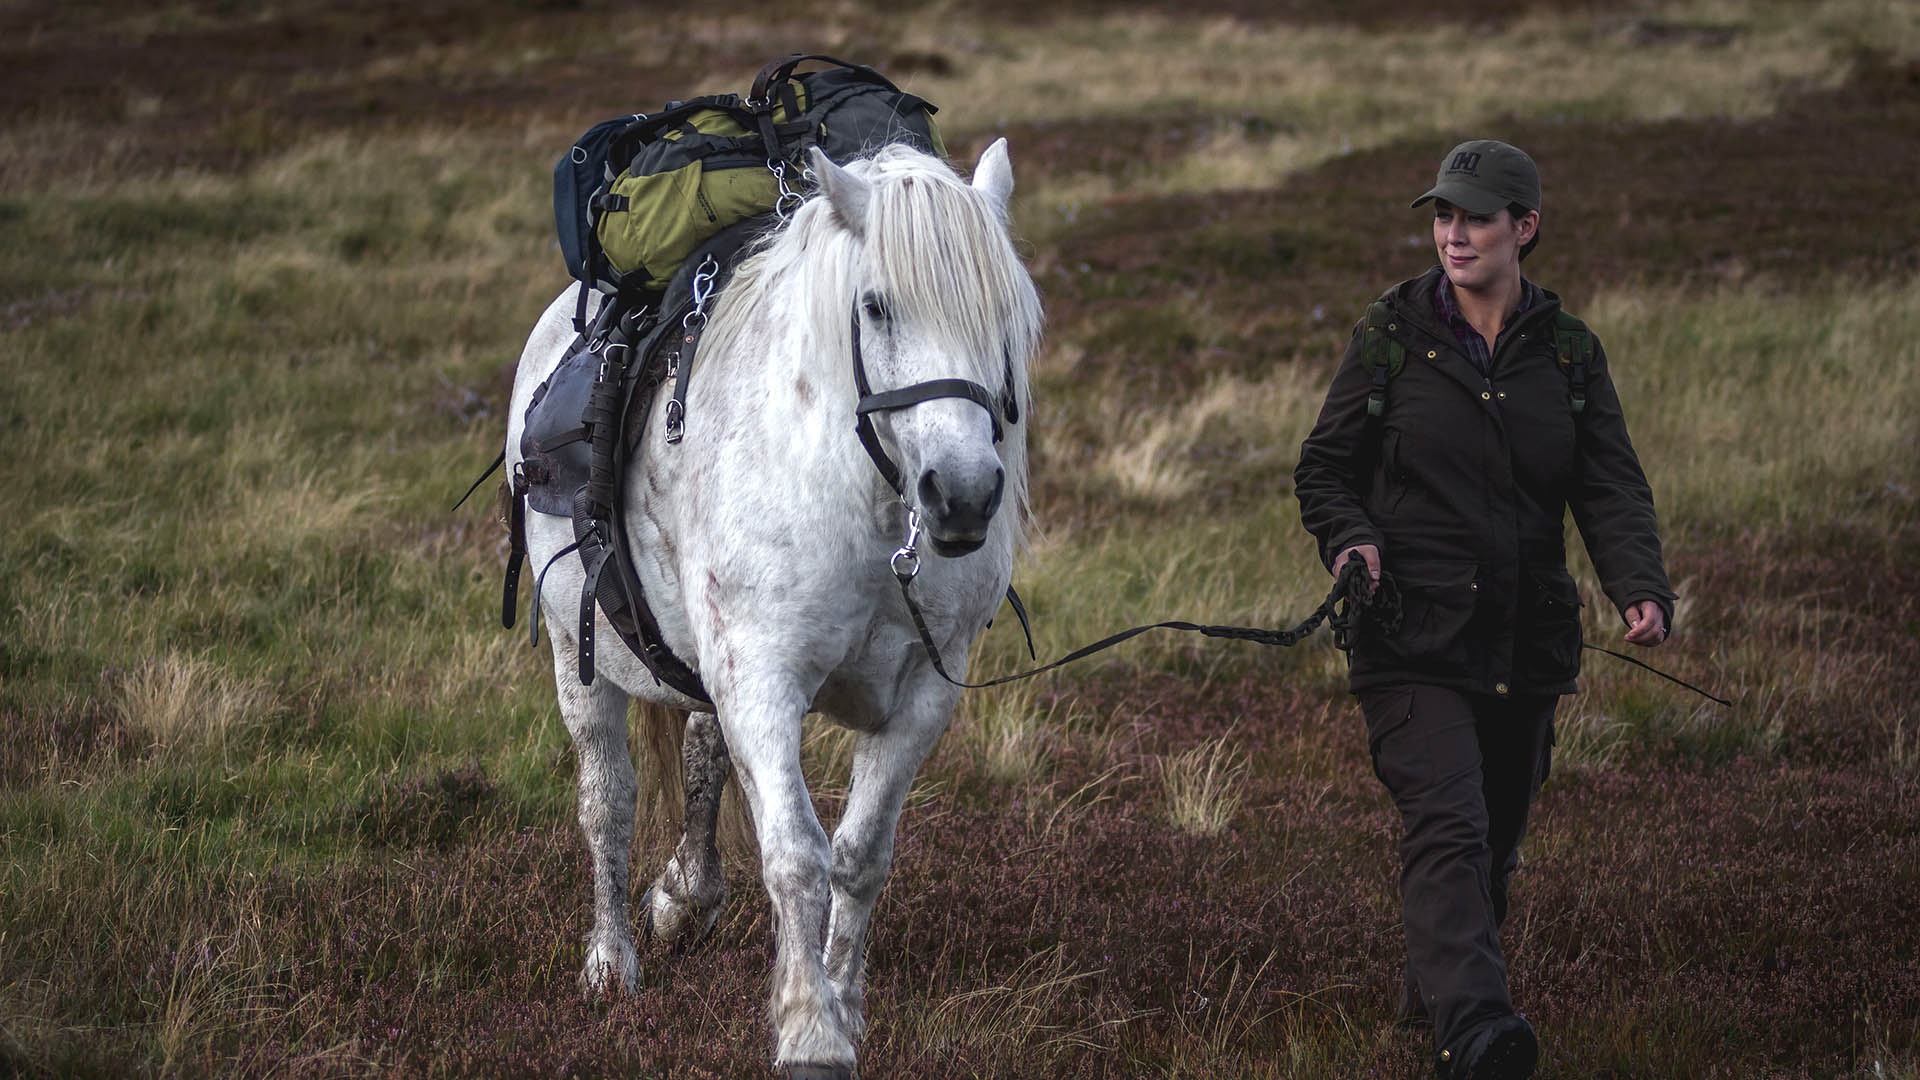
{"x":813,"y":1036}
{"x":596,"y":717}
{"x":686,"y":898}
{"x":884,"y":765}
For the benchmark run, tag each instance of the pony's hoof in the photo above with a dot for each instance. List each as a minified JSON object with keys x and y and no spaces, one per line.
{"x":611,"y":968}
{"x":816,"y":1072}
{"x":676,"y":924}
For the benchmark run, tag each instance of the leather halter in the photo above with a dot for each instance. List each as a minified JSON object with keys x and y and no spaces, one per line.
{"x":889,"y":400}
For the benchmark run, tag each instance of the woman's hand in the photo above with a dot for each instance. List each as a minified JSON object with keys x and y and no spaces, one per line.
{"x":1646,"y":624}
{"x":1368,"y":554}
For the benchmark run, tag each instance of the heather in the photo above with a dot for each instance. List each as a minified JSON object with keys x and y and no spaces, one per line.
{"x":279,"y":797}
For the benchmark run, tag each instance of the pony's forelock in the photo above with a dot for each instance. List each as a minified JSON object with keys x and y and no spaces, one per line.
{"x":937,"y":247}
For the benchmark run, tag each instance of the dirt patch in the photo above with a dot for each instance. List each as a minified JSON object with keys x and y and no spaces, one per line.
{"x":1382,"y":14}
{"x":217,"y":95}
{"x":209,"y":89}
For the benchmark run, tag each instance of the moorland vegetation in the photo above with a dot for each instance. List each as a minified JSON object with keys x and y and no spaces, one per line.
{"x":279,"y":797}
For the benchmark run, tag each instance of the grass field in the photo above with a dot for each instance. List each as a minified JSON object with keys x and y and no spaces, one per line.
{"x":279,"y":798}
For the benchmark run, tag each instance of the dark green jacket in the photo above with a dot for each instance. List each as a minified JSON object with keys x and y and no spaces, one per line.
{"x":1464,"y":487}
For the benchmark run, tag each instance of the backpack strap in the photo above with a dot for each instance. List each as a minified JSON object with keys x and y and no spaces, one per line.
{"x":779,"y":71}
{"x":647,"y":129}
{"x":776,"y":79}
{"x":1573,"y":343}
{"x":1381,"y":355}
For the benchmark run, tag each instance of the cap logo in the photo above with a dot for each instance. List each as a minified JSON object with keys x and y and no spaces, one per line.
{"x":1467,"y":162}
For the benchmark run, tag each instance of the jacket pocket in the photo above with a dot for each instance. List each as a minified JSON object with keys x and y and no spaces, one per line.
{"x":1547,"y":650}
{"x":1437,"y":605}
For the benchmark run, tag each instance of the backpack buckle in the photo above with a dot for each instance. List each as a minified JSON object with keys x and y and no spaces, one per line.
{"x":676,"y":420}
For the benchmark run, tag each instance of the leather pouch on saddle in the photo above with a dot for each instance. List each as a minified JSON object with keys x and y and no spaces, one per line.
{"x":585,"y":422}
{"x":555,"y":445}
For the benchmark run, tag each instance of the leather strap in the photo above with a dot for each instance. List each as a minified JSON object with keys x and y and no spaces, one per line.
{"x":914,"y":394}
{"x":516,"y":549}
{"x":497,"y":462}
{"x":888,"y":400}
{"x":1381,"y":606}
{"x":540,"y":584}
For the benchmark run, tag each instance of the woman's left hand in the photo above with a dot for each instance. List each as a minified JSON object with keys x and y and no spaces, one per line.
{"x":1646,"y":624}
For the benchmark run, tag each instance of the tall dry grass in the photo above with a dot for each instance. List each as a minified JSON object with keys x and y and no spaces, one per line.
{"x":1012,"y":733}
{"x":1011,"y":1020}
{"x":1773,"y":408}
{"x":176,"y":700}
{"x":1204,"y":787}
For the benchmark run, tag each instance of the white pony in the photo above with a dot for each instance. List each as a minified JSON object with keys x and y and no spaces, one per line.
{"x":762,"y":542}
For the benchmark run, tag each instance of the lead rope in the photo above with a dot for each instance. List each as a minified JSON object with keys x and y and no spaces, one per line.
{"x":1657,"y":671}
{"x":1349,"y":605}
{"x":1341,"y":611}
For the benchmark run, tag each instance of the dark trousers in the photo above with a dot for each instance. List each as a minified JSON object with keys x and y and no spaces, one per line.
{"x":1462,"y":769}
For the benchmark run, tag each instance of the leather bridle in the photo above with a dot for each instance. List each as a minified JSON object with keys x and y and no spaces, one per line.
{"x":914,"y":394}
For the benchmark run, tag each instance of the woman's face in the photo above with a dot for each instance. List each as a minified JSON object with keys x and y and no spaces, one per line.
{"x":1479,"y":251}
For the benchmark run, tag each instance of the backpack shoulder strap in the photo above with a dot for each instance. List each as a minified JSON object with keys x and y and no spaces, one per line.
{"x":1381,"y":354}
{"x":1573,"y":343}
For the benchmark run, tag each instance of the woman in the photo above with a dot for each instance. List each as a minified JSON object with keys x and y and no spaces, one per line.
{"x":1468,"y":415}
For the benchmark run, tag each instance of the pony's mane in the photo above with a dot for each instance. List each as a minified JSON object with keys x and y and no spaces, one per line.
{"x":937,"y":248}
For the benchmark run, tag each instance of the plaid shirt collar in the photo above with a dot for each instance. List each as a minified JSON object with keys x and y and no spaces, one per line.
{"x":1476,"y":347}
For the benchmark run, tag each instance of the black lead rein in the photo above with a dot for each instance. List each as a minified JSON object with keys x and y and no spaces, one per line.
{"x":1340,"y":610}
{"x":1348,"y":603}
{"x":1657,"y":671}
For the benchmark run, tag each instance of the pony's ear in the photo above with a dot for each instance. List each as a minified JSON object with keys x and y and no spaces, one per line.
{"x":848,"y":193}
{"x":994,"y":174}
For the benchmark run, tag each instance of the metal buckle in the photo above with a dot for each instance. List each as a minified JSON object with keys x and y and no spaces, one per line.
{"x":676,"y":420}
{"x":703,"y":279}
{"x":906,"y":561}
{"x":789,"y":200}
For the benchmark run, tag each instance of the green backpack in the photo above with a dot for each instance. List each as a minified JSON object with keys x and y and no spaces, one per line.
{"x":638,"y":193}
{"x":1383,"y":356}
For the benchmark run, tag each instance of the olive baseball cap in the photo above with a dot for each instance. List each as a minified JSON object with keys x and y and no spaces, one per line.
{"x":1483,"y":175}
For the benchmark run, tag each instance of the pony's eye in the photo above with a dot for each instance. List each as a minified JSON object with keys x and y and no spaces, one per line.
{"x":876,"y":311}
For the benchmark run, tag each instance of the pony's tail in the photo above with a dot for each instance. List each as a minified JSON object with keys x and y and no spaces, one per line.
{"x":661,"y":732}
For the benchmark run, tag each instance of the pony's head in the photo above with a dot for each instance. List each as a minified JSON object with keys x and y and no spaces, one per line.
{"x":934,"y":290}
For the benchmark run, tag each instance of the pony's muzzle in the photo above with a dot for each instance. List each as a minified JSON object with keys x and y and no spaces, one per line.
{"x":958,"y":508}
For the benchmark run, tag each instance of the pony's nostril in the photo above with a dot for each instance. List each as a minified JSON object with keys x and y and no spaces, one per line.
{"x":931,"y":496}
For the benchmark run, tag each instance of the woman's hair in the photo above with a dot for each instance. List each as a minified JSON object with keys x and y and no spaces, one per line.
{"x":1517,"y":212}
